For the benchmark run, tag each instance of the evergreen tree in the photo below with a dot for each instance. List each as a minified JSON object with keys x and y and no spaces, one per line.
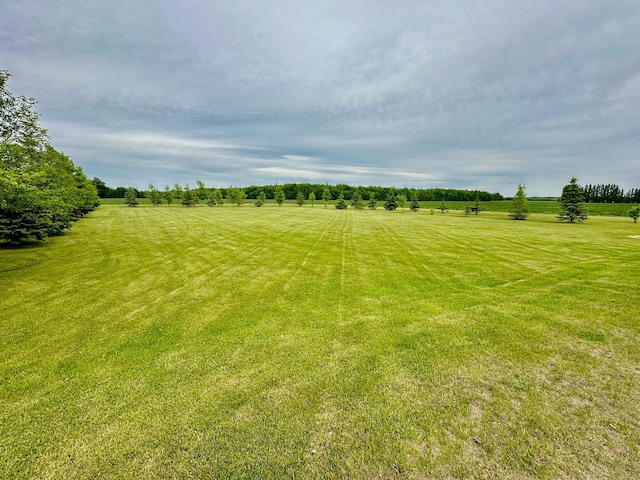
{"x":391,"y":203}
{"x":340,"y":203}
{"x":519,"y":209}
{"x":131,"y":197}
{"x":443,"y":207}
{"x":572,"y":203}
{"x":372,"y":204}
{"x":300,"y":199}
{"x":189,"y":198}
{"x":279,"y":196}
{"x":415,"y":205}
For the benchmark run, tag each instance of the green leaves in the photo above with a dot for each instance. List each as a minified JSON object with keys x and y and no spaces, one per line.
{"x":41,"y":192}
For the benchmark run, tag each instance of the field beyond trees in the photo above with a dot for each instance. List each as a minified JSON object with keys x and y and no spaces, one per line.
{"x":321,"y":343}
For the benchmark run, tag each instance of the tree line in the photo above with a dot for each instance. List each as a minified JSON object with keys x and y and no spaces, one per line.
{"x":291,"y":191}
{"x":42,"y":192}
{"x":610,"y":193}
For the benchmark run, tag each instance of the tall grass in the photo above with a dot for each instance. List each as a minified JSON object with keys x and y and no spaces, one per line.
{"x":317,"y":343}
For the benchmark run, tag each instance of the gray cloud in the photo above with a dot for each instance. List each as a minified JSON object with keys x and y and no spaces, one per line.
{"x":425,"y":94}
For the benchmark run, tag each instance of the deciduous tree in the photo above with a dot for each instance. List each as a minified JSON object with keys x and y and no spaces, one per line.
{"x":168,"y":195}
{"x":326,"y":196}
{"x":154,"y":196}
{"x":215,"y":198}
{"x":634,"y":213}
{"x":19,"y":120}
{"x":312,"y":199}
{"x":356,"y":202}
{"x":201,"y":191}
{"x":279,"y":196}
{"x":41,"y":191}
{"x":178,"y":192}
{"x":261,"y":200}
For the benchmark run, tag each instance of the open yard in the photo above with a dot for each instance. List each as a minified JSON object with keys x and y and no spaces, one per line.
{"x":317,"y":343}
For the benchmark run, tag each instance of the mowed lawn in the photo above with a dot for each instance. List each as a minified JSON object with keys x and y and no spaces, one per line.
{"x":282,"y":342}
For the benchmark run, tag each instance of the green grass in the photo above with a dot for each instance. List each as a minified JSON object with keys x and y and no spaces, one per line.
{"x":537,"y":206}
{"x":317,"y":343}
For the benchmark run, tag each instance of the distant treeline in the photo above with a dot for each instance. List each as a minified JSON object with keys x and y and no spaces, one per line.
{"x":610,"y":193}
{"x":348,"y":192}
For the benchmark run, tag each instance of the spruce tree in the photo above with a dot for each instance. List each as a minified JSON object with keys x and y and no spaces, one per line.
{"x":131,"y":197}
{"x":189,"y":198}
{"x":340,"y":203}
{"x":372,"y":204}
{"x":279,"y":196}
{"x":519,"y":209}
{"x":391,"y":203}
{"x":415,"y":205}
{"x":300,"y":199}
{"x":572,"y":203}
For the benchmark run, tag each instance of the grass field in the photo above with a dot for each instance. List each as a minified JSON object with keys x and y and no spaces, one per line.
{"x":317,"y":343}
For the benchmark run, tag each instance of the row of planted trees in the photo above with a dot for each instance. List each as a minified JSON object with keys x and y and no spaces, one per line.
{"x":42,"y":192}
{"x":280,"y":193}
{"x":572,"y":200}
{"x":291,"y":191}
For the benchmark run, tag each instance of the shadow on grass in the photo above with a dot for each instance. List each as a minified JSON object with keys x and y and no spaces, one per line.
{"x":12,"y":263}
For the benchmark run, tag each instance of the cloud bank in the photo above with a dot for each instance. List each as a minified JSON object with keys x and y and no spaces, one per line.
{"x":479,"y":95}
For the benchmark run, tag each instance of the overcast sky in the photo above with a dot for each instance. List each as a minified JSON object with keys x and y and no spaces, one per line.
{"x":454,"y":94}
